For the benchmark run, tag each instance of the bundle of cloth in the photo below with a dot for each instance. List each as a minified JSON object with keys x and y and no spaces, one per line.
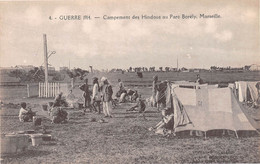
{"x":73,"y":101}
{"x":58,"y":115}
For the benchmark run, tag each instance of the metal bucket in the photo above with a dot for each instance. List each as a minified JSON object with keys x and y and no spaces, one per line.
{"x":37,"y":121}
{"x":36,"y":139}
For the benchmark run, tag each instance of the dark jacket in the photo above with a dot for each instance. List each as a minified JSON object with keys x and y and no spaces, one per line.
{"x":107,"y":92}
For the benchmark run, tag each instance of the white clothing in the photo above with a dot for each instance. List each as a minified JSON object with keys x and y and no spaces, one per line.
{"x":21,"y":112}
{"x":96,"y":93}
{"x":107,"y":108}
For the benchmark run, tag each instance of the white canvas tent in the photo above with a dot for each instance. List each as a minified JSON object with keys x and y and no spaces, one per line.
{"x":247,"y":91}
{"x":208,"y":109}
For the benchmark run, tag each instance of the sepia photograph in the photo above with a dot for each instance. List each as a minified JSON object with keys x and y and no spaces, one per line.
{"x":126,"y":81}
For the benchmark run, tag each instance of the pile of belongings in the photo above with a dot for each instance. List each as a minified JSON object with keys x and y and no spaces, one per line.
{"x":73,"y":101}
{"x":58,"y":115}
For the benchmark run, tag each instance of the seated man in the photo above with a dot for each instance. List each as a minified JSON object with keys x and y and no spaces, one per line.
{"x":166,"y":126}
{"x":140,"y":106}
{"x":25,"y":115}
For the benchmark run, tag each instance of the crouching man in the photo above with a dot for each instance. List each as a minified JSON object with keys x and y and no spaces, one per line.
{"x":25,"y":115}
{"x":132,"y":94}
{"x":140,"y":106}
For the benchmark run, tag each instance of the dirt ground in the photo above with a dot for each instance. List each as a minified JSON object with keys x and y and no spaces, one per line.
{"x":122,"y":139}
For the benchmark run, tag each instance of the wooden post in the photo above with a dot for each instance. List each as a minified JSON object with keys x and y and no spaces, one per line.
{"x":45,"y":87}
{"x":45,"y":57}
{"x":28,"y":90}
{"x":72,"y":83}
{"x":50,"y":89}
{"x":53,"y":93}
{"x":39,"y":91}
{"x":58,"y":88}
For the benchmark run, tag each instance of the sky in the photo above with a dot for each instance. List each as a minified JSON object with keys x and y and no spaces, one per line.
{"x":231,"y":40}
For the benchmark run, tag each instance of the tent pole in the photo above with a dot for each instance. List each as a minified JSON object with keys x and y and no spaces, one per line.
{"x":236,"y":133}
{"x":205,"y":134}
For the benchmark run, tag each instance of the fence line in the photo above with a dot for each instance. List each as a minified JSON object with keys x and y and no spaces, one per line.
{"x":52,"y":89}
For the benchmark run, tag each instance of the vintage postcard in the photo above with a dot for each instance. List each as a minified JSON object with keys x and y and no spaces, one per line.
{"x":145,"y":81}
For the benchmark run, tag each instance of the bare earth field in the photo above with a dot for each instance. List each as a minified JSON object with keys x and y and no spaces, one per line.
{"x":122,"y":139}
{"x":125,"y":137}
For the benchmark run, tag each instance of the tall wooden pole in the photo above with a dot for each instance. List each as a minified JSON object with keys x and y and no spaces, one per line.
{"x":177,"y":64}
{"x":45,"y":57}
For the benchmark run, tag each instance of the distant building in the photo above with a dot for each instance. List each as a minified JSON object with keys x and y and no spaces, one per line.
{"x":64,"y":69}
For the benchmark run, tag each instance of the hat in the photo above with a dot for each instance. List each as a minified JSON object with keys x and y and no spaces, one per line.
{"x":103,"y":79}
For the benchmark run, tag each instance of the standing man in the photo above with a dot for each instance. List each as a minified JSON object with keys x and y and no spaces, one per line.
{"x":121,"y":85}
{"x":155,"y":92}
{"x":258,"y":94}
{"x":96,"y":100}
{"x":107,"y":93}
{"x":86,"y":94}
{"x":199,"y":80}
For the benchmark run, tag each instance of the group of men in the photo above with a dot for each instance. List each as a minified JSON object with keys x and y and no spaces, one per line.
{"x":123,"y":94}
{"x":100,"y":94}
